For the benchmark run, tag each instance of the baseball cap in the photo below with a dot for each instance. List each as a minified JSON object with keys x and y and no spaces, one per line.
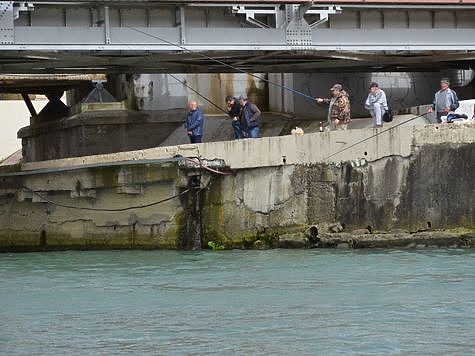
{"x":336,"y":87}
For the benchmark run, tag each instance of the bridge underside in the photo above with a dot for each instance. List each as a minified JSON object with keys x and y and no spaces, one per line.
{"x":170,"y":36}
{"x":250,"y":61}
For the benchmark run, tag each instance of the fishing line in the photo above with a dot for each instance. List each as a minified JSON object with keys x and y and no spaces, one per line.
{"x":225,"y":64}
{"x":186,"y":85}
{"x":273,"y":83}
{"x":370,"y":137}
{"x":198,"y":93}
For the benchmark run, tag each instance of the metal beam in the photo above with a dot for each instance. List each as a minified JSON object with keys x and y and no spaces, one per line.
{"x":29,"y":104}
{"x":143,"y":37}
{"x":107,"y":26}
{"x":182,"y":25}
{"x":250,"y":39}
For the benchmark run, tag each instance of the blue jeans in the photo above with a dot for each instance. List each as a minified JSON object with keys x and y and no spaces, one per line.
{"x":238,"y":130}
{"x":253,"y":132}
{"x":195,"y":139}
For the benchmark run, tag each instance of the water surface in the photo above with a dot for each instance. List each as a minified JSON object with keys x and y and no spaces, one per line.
{"x":238,"y":302}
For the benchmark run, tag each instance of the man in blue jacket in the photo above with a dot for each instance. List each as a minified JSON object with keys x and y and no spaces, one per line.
{"x":194,"y":122}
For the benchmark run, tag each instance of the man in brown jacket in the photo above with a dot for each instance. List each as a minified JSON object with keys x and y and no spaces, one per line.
{"x":339,"y":108}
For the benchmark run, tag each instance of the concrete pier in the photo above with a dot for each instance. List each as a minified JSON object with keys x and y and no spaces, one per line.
{"x":401,"y":181}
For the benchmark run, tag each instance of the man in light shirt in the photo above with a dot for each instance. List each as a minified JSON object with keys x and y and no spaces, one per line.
{"x":376,"y":103}
{"x":445,"y":100}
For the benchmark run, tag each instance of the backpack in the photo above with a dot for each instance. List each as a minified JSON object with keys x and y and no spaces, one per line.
{"x":388,"y":115}
{"x":456,"y":100}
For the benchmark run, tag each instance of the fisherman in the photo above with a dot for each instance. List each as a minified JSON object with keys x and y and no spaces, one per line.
{"x":338,"y":109}
{"x":376,"y":103}
{"x":249,"y":116}
{"x":233,"y":107}
{"x":194,"y":122}
{"x":445,"y":100}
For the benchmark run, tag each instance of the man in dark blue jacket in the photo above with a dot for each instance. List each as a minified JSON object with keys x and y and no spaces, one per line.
{"x":250,"y":117}
{"x":234,"y":108}
{"x":194,"y":122}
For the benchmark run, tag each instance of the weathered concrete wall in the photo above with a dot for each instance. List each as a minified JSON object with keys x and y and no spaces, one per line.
{"x":27,"y":222}
{"x":95,"y":132}
{"x":418,"y":179}
{"x":159,"y":92}
{"x":333,"y":146}
{"x":433,"y":188}
{"x":403,"y":90}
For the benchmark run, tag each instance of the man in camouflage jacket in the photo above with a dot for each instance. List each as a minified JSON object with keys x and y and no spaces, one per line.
{"x":339,"y":108}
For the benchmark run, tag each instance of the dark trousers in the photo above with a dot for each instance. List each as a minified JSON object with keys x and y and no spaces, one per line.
{"x":439,"y":115}
{"x":195,"y":139}
{"x":239,"y":131}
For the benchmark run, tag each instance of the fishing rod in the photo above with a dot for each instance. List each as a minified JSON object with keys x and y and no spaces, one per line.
{"x":272,"y":83}
{"x":191,"y":88}
{"x":372,"y":136}
{"x":198,"y":93}
{"x":225,"y":64}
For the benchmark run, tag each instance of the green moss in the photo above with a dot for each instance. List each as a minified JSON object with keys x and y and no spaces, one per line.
{"x":212,"y":216}
{"x":19,"y":241}
{"x":215,"y":245}
{"x":103,"y":240}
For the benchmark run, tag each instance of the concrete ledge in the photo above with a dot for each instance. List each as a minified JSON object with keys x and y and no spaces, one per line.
{"x":309,"y":149}
{"x":426,"y":239}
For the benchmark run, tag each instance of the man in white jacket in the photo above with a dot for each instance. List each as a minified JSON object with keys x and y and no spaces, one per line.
{"x":376,"y":103}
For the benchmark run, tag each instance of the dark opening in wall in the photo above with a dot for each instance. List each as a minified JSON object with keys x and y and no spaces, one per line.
{"x":43,"y":238}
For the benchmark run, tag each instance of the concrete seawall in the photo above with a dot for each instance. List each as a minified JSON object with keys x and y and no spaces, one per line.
{"x":403,"y":181}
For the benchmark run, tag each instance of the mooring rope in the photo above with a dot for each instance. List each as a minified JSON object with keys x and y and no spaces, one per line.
{"x":104,"y":209}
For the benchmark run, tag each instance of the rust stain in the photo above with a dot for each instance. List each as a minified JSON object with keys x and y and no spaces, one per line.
{"x":258,"y":92}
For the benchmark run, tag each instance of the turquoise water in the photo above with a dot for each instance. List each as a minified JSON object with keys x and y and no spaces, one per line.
{"x":326,"y":302}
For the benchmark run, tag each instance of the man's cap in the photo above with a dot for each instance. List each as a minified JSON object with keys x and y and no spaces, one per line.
{"x":336,"y":87}
{"x":445,"y":80}
{"x":373,"y":85}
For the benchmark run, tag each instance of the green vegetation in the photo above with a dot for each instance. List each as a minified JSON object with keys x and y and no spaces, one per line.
{"x":215,"y":245}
